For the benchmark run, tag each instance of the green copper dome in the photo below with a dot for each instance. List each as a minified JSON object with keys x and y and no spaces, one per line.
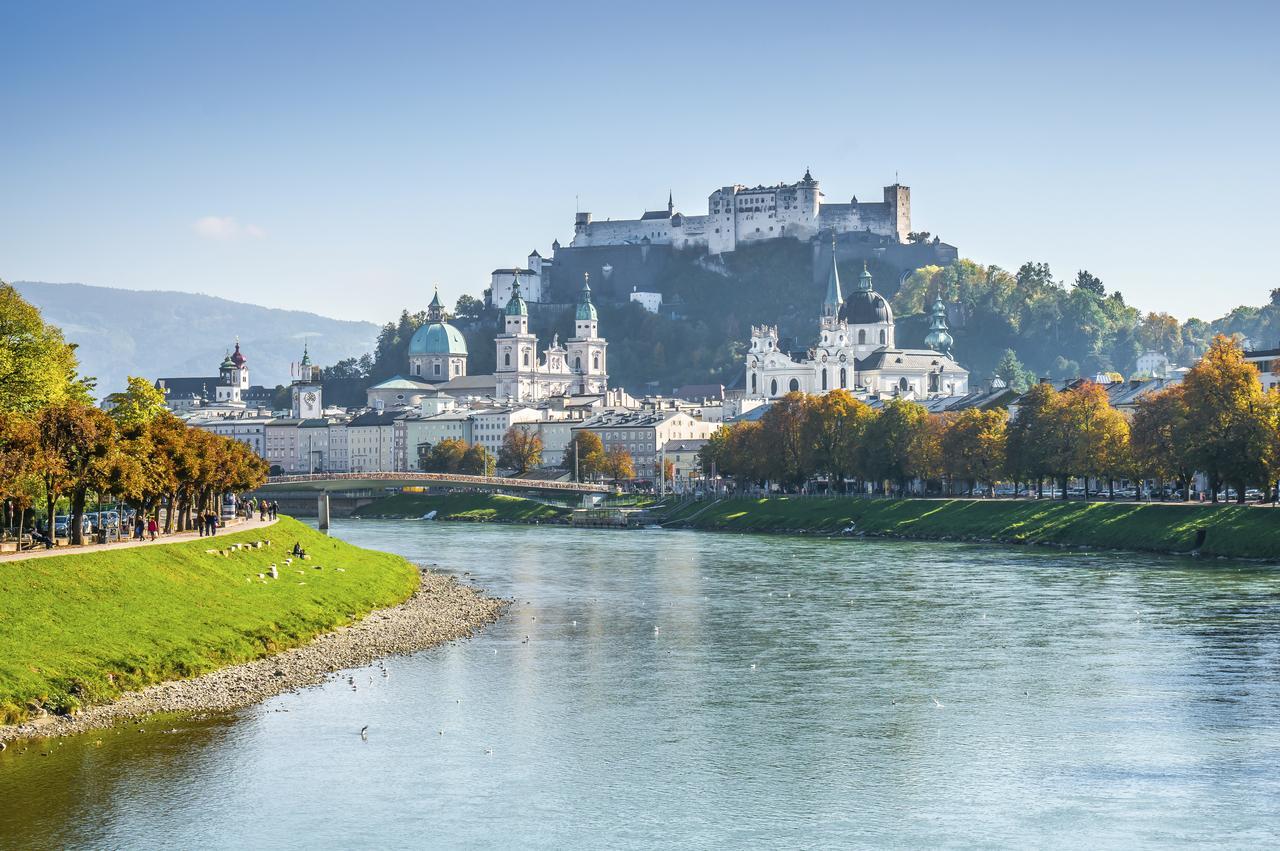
{"x":586,"y":310}
{"x":438,"y":338}
{"x":516,"y":306}
{"x":938,"y":339}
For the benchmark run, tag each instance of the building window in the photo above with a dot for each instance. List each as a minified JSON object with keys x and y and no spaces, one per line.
{"x":843,"y":377}
{"x":773,"y":387}
{"x":795,"y":385}
{"x":506,"y":358}
{"x":595,"y":361}
{"x":577,"y":364}
{"x":437,"y":366}
{"x":824,"y":378}
{"x":753,"y":384}
{"x":882,"y":336}
{"x":902,"y":384}
{"x":526,"y":358}
{"x":862,"y":338}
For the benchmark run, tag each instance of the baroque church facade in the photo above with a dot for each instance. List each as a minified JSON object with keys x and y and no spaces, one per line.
{"x":856,"y":351}
{"x":576,"y":368}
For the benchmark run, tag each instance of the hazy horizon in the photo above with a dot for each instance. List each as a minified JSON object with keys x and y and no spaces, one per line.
{"x":340,"y":161}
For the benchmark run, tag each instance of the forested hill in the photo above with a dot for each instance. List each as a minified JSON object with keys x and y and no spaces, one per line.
{"x":160,"y":333}
{"x":1053,"y":326}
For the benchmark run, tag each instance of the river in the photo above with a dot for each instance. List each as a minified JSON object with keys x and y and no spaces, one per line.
{"x":714,"y":691}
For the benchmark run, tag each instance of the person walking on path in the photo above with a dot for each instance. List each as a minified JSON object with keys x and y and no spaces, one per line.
{"x":139,"y":527}
{"x":262,"y":510}
{"x":275,"y":506}
{"x":152,"y":528}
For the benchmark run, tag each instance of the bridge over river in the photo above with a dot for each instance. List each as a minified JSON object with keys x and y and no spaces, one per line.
{"x":322,"y":485}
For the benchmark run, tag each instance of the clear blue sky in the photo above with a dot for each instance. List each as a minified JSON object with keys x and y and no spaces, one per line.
{"x":343,"y":157}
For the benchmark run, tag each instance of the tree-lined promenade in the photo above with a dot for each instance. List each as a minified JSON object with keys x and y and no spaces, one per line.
{"x":56,"y":445}
{"x":1218,"y":422}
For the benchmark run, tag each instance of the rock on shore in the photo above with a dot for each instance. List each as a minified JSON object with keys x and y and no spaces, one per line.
{"x":440,"y":610}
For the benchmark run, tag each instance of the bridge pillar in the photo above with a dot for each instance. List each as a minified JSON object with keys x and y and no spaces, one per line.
{"x":322,"y":510}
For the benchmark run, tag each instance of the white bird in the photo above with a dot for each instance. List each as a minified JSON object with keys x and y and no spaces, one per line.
{"x":364,"y":732}
{"x":753,"y":666}
{"x":442,"y":731}
{"x":656,"y":630}
{"x":936,"y":703}
{"x":488,"y":750}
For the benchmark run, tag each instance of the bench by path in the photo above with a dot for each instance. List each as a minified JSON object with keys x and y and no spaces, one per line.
{"x":234,"y":524}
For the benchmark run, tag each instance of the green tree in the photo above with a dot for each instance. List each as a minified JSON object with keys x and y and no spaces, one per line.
{"x":468,"y":307}
{"x":37,"y":365}
{"x":141,"y":403}
{"x":1014,"y":375}
{"x":786,"y":431}
{"x":1090,"y":283}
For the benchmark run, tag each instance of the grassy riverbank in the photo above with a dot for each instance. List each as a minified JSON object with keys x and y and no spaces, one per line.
{"x":466,"y":506}
{"x":1229,"y":530}
{"x":82,"y":629}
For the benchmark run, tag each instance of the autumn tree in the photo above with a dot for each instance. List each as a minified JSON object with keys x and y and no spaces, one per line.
{"x":585,"y":454}
{"x":18,"y":449}
{"x":521,"y":449}
{"x":75,"y":441}
{"x":1028,"y":437}
{"x":892,"y":438}
{"x":618,"y":464}
{"x":1087,"y":437}
{"x":786,"y":431}
{"x":1161,"y":439}
{"x":476,"y":461}
{"x":834,"y":427}
{"x":973,"y":447}
{"x":445,"y":456}
{"x":1232,"y":422}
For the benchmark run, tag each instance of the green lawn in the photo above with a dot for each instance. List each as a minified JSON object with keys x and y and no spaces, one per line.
{"x":80,"y":629}
{"x":466,"y":506}
{"x":1230,"y":530}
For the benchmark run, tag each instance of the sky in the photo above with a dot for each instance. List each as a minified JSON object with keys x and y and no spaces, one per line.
{"x":345,"y":158}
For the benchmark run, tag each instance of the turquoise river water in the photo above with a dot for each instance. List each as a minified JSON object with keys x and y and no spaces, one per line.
{"x":684,"y":689}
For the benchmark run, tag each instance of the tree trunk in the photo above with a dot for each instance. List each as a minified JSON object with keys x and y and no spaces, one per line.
{"x":75,"y":525}
{"x":1111,"y":489}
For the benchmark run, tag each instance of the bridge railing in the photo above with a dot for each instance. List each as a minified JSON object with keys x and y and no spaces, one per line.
{"x":441,"y":478}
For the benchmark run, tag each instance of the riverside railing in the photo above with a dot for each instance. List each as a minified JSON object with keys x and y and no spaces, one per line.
{"x":442,"y":478}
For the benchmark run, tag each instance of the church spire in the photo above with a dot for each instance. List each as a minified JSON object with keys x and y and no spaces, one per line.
{"x":864,"y":280}
{"x":831,"y":304}
{"x":435,"y":310}
{"x":671,"y":205}
{"x":938,"y":339}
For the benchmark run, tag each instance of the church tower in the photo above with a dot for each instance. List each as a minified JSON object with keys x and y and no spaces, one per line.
{"x":586,"y":350}
{"x":938,"y":338}
{"x":233,"y":377}
{"x":834,"y":298}
{"x":305,"y":391}
{"x":517,"y":352}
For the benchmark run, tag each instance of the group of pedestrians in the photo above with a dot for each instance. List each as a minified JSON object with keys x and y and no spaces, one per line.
{"x":145,"y":527}
{"x":267,"y":509}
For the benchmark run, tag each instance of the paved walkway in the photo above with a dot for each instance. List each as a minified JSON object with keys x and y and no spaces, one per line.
{"x":233,"y":525}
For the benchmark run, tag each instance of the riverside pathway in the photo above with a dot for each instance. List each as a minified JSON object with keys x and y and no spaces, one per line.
{"x":234,"y":524}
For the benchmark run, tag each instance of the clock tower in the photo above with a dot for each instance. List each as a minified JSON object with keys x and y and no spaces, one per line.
{"x":305,"y":391}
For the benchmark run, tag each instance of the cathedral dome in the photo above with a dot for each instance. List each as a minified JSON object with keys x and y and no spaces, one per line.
{"x":438,"y":338}
{"x":237,"y":358}
{"x":866,"y":308}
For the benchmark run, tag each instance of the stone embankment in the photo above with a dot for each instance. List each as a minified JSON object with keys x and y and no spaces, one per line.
{"x":441,"y":610}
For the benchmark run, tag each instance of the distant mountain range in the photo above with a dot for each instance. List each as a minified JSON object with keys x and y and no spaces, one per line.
{"x":156,"y":333}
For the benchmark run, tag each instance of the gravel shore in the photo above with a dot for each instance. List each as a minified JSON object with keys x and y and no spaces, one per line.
{"x":440,"y":610}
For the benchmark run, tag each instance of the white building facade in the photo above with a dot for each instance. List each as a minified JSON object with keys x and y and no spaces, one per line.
{"x":856,"y":351}
{"x":739,"y":214}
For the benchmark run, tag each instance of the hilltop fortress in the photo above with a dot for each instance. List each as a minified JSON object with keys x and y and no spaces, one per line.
{"x":739,"y":214}
{"x":631,"y":259}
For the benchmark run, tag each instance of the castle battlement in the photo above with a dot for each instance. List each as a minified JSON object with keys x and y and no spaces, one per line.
{"x":738,"y":214}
